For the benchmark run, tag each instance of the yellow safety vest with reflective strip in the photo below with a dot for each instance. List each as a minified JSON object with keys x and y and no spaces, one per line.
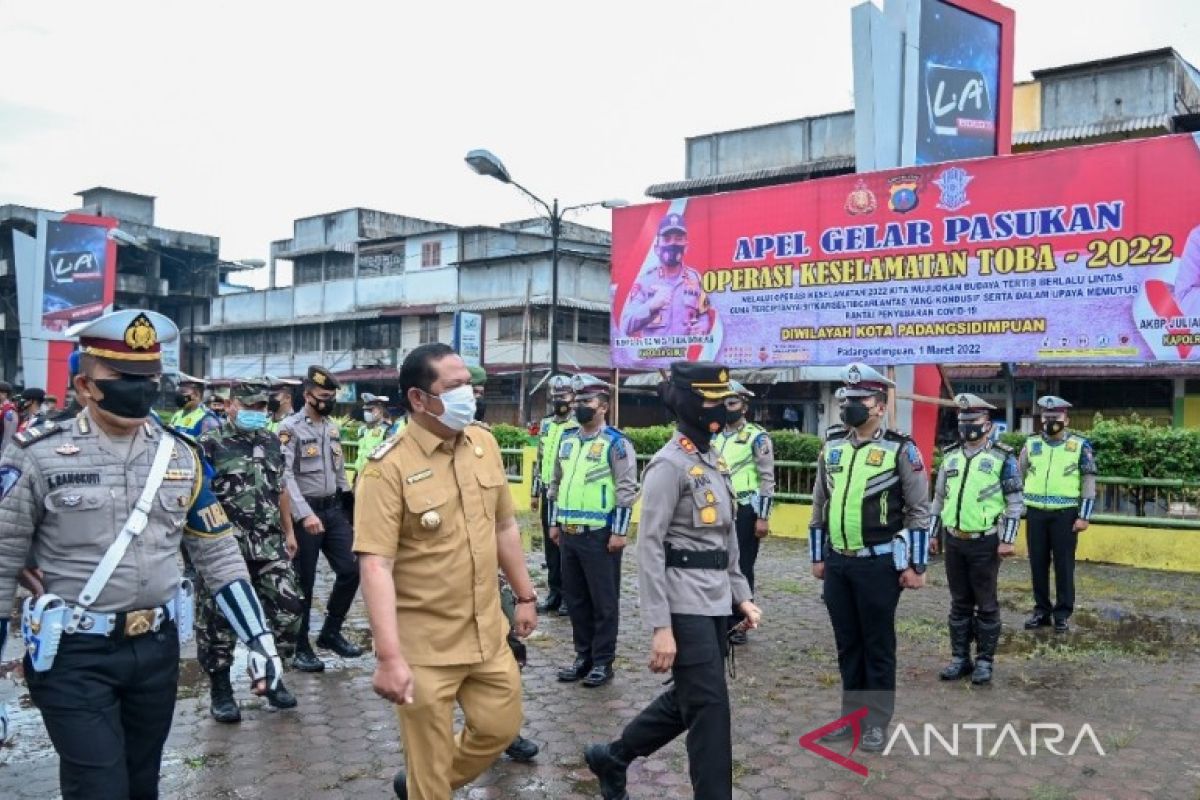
{"x":738,"y":451}
{"x":865,"y":500}
{"x":189,"y":421}
{"x":1054,"y":480}
{"x":974,"y":496}
{"x":587,"y":493}
{"x":370,"y":438}
{"x":551,"y":437}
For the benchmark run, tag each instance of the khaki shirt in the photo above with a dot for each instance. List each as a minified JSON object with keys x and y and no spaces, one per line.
{"x":433,"y":506}
{"x":313,"y":461}
{"x":66,"y":495}
{"x":690,"y":505}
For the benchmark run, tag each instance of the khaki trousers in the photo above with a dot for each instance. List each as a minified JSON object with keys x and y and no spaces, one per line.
{"x":439,"y":760}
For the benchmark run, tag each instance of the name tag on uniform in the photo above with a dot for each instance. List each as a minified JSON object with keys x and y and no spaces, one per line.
{"x":180,"y":475}
{"x":417,"y":477}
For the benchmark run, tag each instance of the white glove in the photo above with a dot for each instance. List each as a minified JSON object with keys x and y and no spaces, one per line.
{"x":264,"y":661}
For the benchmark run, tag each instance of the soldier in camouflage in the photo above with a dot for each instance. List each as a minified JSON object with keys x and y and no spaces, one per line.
{"x":248,"y":461}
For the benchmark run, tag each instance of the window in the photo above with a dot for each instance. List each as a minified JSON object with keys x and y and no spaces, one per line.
{"x":593,"y":328}
{"x":511,"y":325}
{"x":339,"y":336}
{"x":308,"y":339}
{"x":539,"y":320}
{"x":564,"y":325}
{"x":431,"y":254}
{"x":252,"y":342}
{"x":338,"y":266}
{"x":279,"y":340}
{"x":429,"y":328}
{"x":307,"y":270}
{"x":378,"y":335}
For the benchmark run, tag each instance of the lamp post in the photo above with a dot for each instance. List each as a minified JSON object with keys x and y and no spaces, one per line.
{"x":484,"y":162}
{"x":141,"y":243}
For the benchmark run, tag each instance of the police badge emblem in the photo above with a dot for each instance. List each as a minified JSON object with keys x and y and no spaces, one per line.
{"x":903,"y":193}
{"x":874,"y":457}
{"x":861,"y":200}
{"x":953,"y":185}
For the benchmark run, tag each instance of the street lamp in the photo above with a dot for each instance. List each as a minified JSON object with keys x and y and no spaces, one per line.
{"x":487,"y":163}
{"x":142,"y":243}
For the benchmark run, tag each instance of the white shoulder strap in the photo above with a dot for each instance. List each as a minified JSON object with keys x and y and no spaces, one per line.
{"x":133,"y":527}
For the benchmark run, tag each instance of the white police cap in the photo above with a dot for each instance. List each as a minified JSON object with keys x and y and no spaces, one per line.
{"x":972,"y":403}
{"x":129,"y":341}
{"x":862,"y":380}
{"x":741,"y":390}
{"x":588,"y":385}
{"x":1052,"y":403}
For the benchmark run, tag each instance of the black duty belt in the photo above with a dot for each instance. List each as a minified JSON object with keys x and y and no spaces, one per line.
{"x":322,"y":503}
{"x":697,"y":559}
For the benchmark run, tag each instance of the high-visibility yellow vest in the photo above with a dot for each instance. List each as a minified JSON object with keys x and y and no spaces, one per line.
{"x":1054,"y":480}
{"x":738,"y":451}
{"x":974,"y":495}
{"x":587,"y":493}
{"x":548,"y":444}
{"x":866,"y":502}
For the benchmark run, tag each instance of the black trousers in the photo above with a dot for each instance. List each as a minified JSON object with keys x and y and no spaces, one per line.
{"x":107,"y":705}
{"x":861,"y":595}
{"x":972,"y":568}
{"x":591,"y":587}
{"x":1052,"y":538}
{"x":747,"y":548}
{"x":553,"y":555}
{"x":337,"y":543}
{"x":697,"y":702}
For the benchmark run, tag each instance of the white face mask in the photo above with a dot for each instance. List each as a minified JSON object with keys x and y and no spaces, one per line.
{"x":370,"y":417}
{"x":460,"y":408}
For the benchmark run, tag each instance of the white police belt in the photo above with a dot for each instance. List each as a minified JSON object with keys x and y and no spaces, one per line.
{"x":128,"y":623}
{"x":866,"y":552}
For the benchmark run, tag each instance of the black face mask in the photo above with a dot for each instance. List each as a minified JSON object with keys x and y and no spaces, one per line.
{"x":561,"y":409}
{"x":584,"y":414}
{"x":130,"y":398}
{"x":855,"y":414}
{"x":733,"y":417}
{"x":480,"y":410}
{"x":671,"y":255}
{"x":713,"y":419}
{"x":273,"y":405}
{"x":1054,"y":427}
{"x":181,"y":399}
{"x":322,"y":407}
{"x":971,"y":432}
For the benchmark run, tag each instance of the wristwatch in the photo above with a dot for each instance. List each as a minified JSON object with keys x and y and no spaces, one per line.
{"x":919,"y":568}
{"x":531,"y":599}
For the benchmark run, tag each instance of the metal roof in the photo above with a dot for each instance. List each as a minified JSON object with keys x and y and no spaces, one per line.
{"x":748,"y":180}
{"x":1154,"y":122}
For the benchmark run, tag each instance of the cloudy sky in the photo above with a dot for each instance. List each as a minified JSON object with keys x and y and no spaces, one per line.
{"x":241,"y":116}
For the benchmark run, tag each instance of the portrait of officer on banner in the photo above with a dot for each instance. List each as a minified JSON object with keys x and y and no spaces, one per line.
{"x":668,"y":297}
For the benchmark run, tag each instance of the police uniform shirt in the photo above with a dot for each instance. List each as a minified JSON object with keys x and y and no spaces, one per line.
{"x":433,"y":506}
{"x":914,"y":484}
{"x":1009,"y":480}
{"x":688,"y":303}
{"x":71,"y":488}
{"x":691,"y":507}
{"x":313,"y":461}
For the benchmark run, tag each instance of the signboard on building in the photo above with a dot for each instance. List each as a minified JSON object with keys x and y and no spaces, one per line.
{"x":468,"y":337}
{"x":1086,"y":254}
{"x":348,"y":393}
{"x":76,"y":271}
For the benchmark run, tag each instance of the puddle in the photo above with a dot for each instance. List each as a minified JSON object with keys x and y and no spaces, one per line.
{"x":1106,"y":631}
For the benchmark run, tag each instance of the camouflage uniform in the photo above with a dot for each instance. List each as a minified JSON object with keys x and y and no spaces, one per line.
{"x":249,"y":480}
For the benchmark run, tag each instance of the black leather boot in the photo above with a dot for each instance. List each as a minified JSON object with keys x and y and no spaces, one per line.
{"x":960,"y":665}
{"x":987,"y":636}
{"x":305,"y":659}
{"x":222,"y":705}
{"x":609,"y":768}
{"x":331,"y":639}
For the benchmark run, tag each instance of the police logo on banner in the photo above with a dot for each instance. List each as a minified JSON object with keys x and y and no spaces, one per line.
{"x":953,"y":185}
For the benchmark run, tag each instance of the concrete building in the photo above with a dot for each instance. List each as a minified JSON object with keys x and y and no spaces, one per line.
{"x":177,"y":275}
{"x":369,"y":286}
{"x":1130,"y":96}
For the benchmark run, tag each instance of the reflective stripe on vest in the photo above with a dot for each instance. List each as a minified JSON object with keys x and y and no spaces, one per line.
{"x":973,"y":494}
{"x":189,"y":423}
{"x":738,"y":452}
{"x":552,"y":435}
{"x":858,"y":474}
{"x":587,"y":493}
{"x":1054,"y":480}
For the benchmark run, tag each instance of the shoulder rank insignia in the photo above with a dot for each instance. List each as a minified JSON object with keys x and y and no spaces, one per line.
{"x":382,"y":450}
{"x":686,"y":445}
{"x":35,"y":434}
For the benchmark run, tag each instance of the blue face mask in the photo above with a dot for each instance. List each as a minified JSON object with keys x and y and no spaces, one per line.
{"x":249,"y":420}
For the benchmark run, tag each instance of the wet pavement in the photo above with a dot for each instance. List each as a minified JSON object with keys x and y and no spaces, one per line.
{"x":1129,"y":671}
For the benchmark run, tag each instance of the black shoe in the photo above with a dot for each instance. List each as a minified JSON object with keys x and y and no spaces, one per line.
{"x":983,"y":672}
{"x":552,"y":602}
{"x":1037,"y":620}
{"x":280,"y":697}
{"x":331,"y":639}
{"x":563,"y":611}
{"x":307,"y":661}
{"x":600,"y":675}
{"x":576,"y":671}
{"x":960,"y":665}
{"x":957,"y":668}
{"x":872,"y":740}
{"x":400,"y":785}
{"x":738,"y":638}
{"x":1061,"y":626}
{"x":837,"y":734}
{"x":522,"y":749}
{"x":609,"y":769}
{"x":222,"y":706}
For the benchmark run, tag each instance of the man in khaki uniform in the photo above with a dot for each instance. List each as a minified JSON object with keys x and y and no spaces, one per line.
{"x":434,"y":520}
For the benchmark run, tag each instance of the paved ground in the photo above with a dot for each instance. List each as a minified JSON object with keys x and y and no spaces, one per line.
{"x":1131,"y":670}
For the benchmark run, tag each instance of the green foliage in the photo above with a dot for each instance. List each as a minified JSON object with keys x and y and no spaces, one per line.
{"x":1135,"y":447}
{"x":1014,"y":440}
{"x":511,"y":435}
{"x":648,"y":441}
{"x":792,"y":446}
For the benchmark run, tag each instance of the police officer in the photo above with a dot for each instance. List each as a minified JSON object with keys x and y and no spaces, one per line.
{"x":747,"y":450}
{"x":9,"y":418}
{"x":1059,"y":468}
{"x":248,"y":463}
{"x":216,"y":403}
{"x":868,"y":541}
{"x":279,"y":406}
{"x":670,"y":300}
{"x":377,"y":423}
{"x":320,"y":496}
{"x":102,"y":503}
{"x":193,"y":417}
{"x":688,"y":577}
{"x":551,"y":431}
{"x":591,"y":497}
{"x":434,"y":522}
{"x":31,"y":408}
{"x":977,"y":503}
